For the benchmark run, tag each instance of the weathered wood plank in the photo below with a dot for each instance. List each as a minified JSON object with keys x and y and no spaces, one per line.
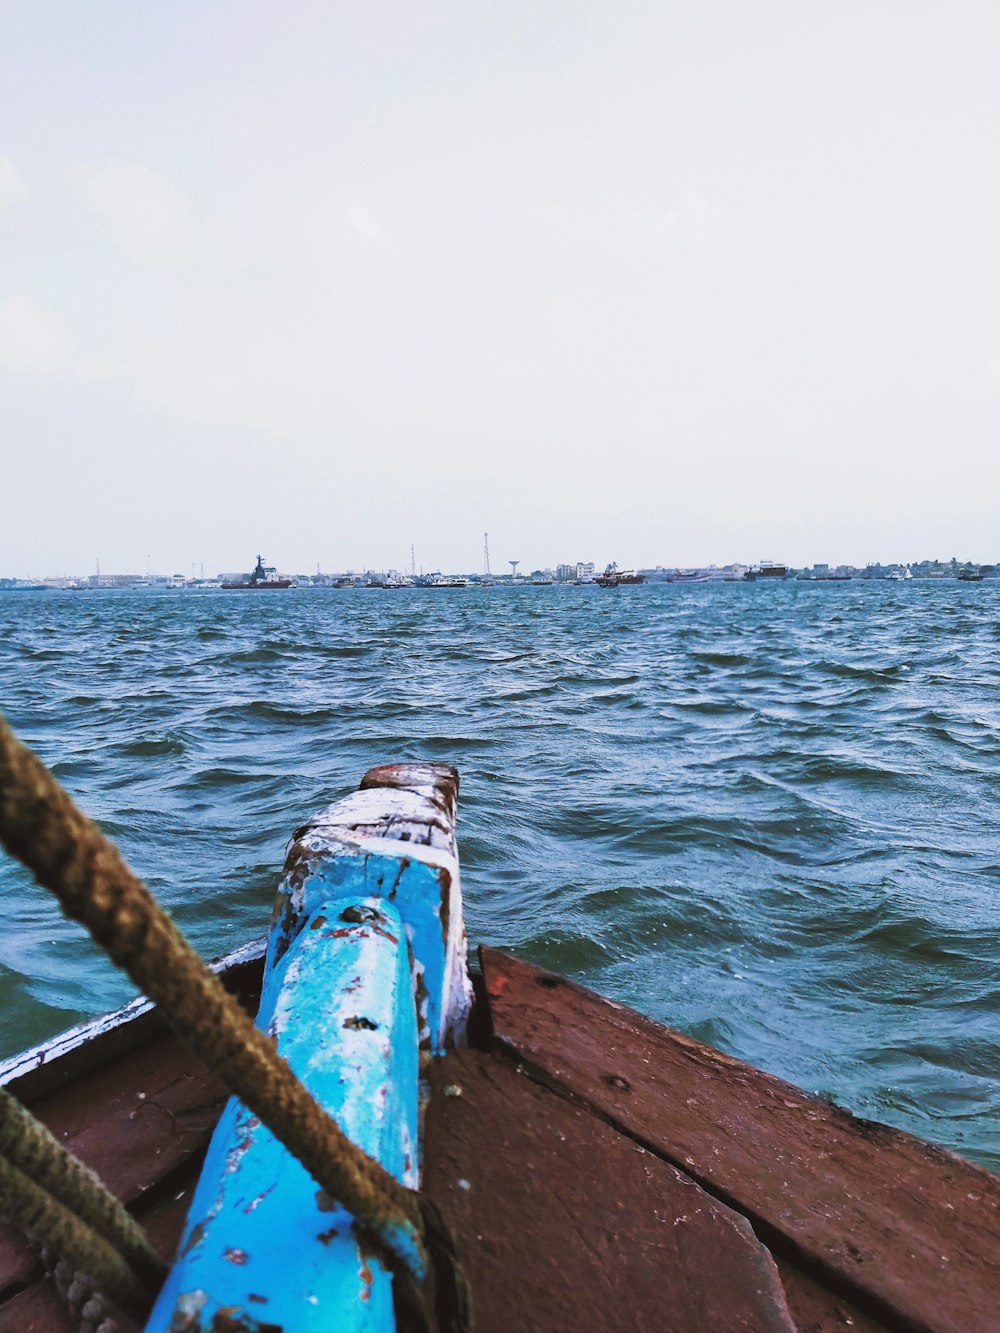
{"x":84,"y":1083}
{"x":133,"y":1120}
{"x":18,"y":1261}
{"x":438,"y":782}
{"x":40,"y":1308}
{"x":908,"y":1228}
{"x":564,"y":1223}
{"x":816,"y":1309}
{"x":37,"y":1309}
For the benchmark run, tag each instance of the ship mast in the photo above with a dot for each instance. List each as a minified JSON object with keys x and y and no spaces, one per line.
{"x":486,"y":552}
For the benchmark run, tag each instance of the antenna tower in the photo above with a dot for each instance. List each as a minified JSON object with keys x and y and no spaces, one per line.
{"x":486,"y":551}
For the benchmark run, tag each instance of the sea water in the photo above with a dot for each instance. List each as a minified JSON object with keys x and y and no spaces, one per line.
{"x":762,"y":814}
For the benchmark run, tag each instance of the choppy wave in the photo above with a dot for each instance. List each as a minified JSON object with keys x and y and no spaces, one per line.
{"x":764,"y":816}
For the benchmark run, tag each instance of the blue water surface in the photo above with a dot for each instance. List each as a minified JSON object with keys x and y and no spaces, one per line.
{"x":761,"y":814}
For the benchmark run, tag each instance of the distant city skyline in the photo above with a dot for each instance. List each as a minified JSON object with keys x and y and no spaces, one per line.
{"x":658,"y":284}
{"x":524,"y":570}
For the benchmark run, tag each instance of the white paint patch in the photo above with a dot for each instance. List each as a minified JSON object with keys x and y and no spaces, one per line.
{"x":381,"y":821}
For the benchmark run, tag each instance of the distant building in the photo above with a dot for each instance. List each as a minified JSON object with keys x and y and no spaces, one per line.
{"x":114,"y":580}
{"x":585,"y":570}
{"x":566,"y":573}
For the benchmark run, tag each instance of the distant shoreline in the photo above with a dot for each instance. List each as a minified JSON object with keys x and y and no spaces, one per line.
{"x":392,"y":580}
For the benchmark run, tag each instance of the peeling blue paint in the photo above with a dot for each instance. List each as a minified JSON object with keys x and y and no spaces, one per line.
{"x":258,"y":1238}
{"x":418,"y":889}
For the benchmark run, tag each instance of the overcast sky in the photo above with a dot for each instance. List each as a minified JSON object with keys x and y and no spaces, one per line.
{"x":661,"y":283}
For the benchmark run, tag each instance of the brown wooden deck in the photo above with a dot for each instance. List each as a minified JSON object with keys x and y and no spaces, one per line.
{"x":601,"y":1172}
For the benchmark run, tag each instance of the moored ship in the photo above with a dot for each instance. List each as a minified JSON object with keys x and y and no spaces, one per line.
{"x":263,"y":577}
{"x":446,"y":581}
{"x":767,"y":569}
{"x":613,"y":577}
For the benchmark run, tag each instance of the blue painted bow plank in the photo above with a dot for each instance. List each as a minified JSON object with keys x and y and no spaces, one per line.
{"x":366,"y":967}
